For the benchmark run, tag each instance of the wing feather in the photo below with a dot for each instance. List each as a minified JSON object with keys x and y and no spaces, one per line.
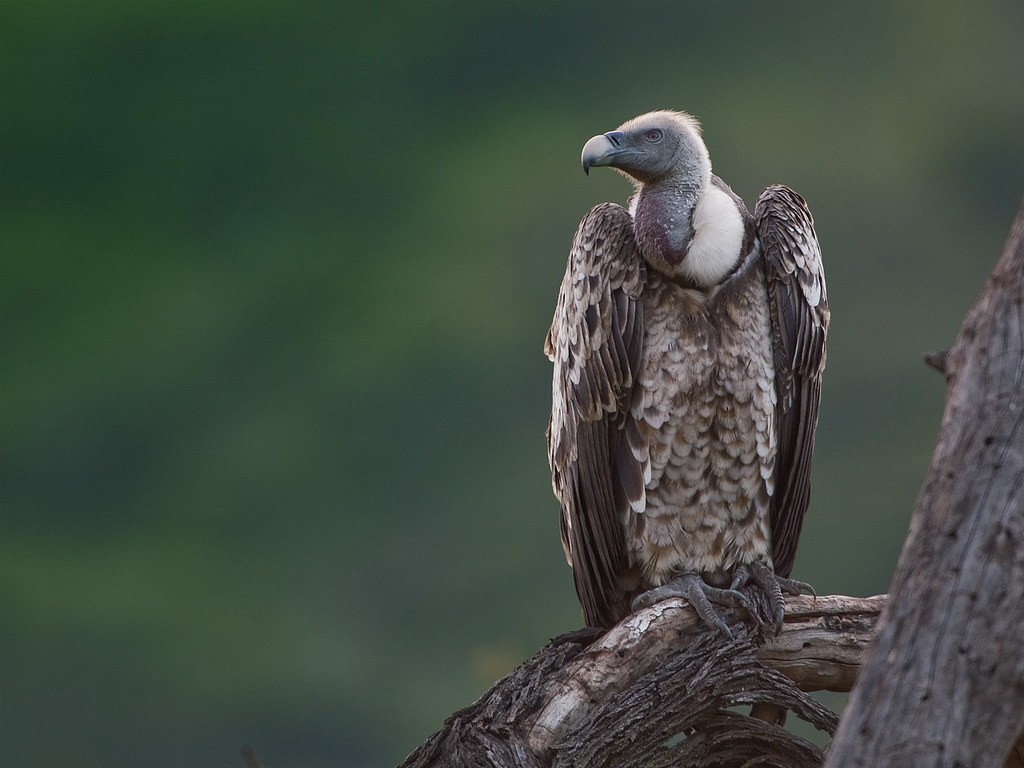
{"x":800,"y":317}
{"x":595,"y":343}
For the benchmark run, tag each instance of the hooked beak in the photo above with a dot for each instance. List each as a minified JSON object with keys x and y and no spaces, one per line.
{"x":602,"y":150}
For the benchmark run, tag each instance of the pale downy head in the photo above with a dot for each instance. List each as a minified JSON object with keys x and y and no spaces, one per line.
{"x":685,"y":227}
{"x":662,"y":146}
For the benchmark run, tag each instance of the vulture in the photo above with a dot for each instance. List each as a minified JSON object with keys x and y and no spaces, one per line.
{"x":688,"y":345}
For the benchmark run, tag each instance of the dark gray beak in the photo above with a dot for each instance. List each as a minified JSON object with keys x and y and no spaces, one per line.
{"x":602,"y":150}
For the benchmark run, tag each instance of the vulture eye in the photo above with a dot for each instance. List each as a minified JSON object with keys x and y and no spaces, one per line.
{"x":653,"y":135}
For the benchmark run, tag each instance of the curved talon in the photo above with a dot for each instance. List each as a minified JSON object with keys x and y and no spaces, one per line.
{"x":794,"y":587}
{"x":772,"y":585}
{"x":740,"y":577}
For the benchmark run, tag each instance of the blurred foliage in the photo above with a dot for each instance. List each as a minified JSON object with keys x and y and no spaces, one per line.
{"x":275,"y":278}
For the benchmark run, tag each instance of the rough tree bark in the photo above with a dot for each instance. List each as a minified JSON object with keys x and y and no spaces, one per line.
{"x":657,"y":690}
{"x":944,"y":686}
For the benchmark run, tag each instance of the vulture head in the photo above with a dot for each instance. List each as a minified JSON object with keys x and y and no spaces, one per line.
{"x":662,"y":146}
{"x":685,"y":227}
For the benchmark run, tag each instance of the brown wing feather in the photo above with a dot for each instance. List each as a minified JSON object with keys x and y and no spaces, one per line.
{"x":800,"y":316}
{"x":595,"y":343}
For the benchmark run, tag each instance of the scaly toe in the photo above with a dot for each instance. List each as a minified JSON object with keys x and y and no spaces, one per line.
{"x":700,"y":595}
{"x":656,"y":595}
{"x":794,"y":587}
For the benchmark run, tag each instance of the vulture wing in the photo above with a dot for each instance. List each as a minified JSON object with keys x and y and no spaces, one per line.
{"x":595,"y":343}
{"x":799,"y":313}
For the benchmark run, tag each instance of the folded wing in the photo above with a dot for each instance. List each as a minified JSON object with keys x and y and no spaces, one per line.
{"x":800,"y":316}
{"x":596,"y":343}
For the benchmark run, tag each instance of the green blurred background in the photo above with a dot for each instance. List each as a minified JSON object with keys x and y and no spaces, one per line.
{"x":275,"y":280}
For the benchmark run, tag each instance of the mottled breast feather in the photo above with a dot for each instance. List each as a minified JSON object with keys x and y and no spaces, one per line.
{"x":799,"y":313}
{"x":595,"y":343}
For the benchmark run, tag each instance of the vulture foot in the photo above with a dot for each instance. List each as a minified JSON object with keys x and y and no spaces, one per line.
{"x":700,"y":595}
{"x":774,"y":587}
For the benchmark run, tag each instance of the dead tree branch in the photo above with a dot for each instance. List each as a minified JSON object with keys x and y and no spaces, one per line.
{"x":657,"y":690}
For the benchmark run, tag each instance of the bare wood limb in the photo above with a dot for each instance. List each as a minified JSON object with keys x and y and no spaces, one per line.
{"x":944,"y":685}
{"x":823,"y":640}
{"x":657,"y":690}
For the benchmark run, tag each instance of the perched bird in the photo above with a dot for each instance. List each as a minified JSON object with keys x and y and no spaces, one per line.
{"x":688,"y":346}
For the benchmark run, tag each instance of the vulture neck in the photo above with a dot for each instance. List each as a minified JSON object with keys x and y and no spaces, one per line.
{"x":663,"y":219}
{"x":691,"y":233}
